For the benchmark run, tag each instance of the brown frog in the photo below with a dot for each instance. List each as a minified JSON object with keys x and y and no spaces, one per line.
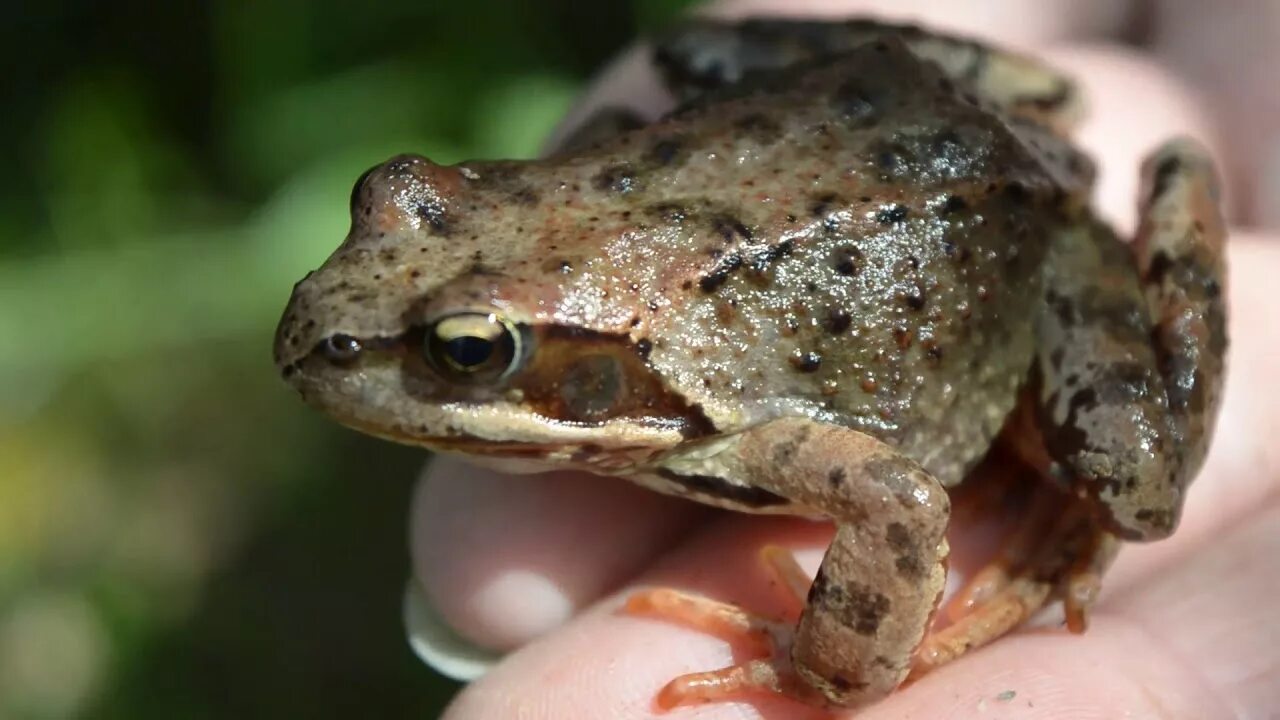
{"x":856,"y":260}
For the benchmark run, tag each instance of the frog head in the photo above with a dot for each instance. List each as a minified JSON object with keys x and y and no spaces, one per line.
{"x":446,"y":319}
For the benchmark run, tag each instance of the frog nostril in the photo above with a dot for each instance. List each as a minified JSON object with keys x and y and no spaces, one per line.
{"x":340,"y":349}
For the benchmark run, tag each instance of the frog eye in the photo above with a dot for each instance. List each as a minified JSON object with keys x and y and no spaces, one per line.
{"x":473,"y":347}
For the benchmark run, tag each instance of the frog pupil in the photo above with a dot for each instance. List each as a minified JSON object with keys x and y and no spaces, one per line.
{"x":469,"y":351}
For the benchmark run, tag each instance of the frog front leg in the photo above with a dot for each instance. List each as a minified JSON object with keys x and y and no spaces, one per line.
{"x":870,"y":605}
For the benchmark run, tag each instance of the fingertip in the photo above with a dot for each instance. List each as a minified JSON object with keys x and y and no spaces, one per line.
{"x":627,"y":82}
{"x":507,"y":559}
{"x":1132,"y":106}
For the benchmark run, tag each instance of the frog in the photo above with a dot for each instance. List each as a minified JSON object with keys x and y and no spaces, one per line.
{"x":855,"y":262}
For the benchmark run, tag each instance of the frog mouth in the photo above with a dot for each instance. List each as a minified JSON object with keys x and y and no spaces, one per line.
{"x":570,"y":453}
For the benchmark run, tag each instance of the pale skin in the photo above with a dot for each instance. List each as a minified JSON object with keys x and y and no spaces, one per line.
{"x":588,"y":536}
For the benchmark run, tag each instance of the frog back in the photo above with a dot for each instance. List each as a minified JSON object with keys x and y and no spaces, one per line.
{"x":858,"y":241}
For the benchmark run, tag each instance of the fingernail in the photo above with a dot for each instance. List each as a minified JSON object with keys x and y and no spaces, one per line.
{"x":437,"y":645}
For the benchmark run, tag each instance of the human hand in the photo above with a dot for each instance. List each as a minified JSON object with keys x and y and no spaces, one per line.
{"x":1184,"y":627}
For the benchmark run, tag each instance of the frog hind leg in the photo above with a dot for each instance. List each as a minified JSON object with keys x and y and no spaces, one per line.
{"x":1129,"y":376}
{"x":706,"y":54}
{"x":872,"y":601}
{"x":1121,"y":409}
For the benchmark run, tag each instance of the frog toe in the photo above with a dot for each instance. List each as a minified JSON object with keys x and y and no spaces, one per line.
{"x":727,"y":622}
{"x":1057,"y":550}
{"x":768,"y":643}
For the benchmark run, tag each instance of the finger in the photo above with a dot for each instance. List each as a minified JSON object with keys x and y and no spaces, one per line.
{"x":505,"y":559}
{"x":1229,"y":52}
{"x":1132,"y":106}
{"x":627,"y":82}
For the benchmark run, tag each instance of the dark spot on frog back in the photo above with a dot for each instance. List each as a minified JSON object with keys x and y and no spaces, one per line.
{"x":838,"y":321}
{"x":824,"y":204}
{"x":526,"y":196}
{"x":1017,"y":193}
{"x":939,"y":152}
{"x":952,"y":205}
{"x":915,"y":296}
{"x":670,"y":213}
{"x":806,"y":361}
{"x":848,"y":260}
{"x":759,"y":127}
{"x":617,"y":178}
{"x":836,"y":477}
{"x":860,"y":101}
{"x":719,"y":275}
{"x":435,"y":217}
{"x":730,"y":228}
{"x":762,"y":260}
{"x":891,"y":159}
{"x":666,"y":152}
{"x":892,"y":214}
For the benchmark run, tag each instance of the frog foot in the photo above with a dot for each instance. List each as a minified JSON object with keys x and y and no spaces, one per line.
{"x":768,"y":640}
{"x":1035,"y":565}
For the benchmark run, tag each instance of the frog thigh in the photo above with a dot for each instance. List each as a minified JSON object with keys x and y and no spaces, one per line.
{"x":702,"y":55}
{"x":1131,"y":344}
{"x":871,"y":602}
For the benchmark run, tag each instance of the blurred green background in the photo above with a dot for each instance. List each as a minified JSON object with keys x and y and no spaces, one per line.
{"x":179,"y":536}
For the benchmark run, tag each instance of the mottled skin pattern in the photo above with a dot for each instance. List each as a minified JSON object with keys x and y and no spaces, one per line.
{"x":823,"y":286}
